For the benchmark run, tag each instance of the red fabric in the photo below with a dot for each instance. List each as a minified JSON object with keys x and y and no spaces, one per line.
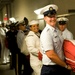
{"x":6,"y":43}
{"x":69,"y":51}
{"x":40,"y":56}
{"x":28,"y":57}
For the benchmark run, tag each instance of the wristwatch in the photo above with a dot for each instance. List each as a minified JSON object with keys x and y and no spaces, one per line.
{"x":66,"y":66}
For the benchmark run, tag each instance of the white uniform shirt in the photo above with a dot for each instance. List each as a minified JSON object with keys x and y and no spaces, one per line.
{"x":33,"y":45}
{"x":50,"y":40}
{"x":67,"y":34}
{"x":2,"y":32}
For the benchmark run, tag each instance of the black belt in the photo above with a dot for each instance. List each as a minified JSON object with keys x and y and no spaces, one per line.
{"x":52,"y":65}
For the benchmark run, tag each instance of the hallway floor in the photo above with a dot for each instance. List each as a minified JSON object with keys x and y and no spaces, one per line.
{"x":5,"y":70}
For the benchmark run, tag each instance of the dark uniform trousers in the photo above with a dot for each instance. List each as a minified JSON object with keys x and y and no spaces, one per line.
{"x":23,"y":61}
{"x":54,"y":70}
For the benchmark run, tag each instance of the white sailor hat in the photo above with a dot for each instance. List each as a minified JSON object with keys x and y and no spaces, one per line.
{"x":49,"y":10}
{"x":62,"y":20}
{"x":21,"y":23}
{"x":33,"y":22}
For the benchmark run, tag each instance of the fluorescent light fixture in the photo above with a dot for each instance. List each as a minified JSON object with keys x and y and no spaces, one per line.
{"x":65,"y":15}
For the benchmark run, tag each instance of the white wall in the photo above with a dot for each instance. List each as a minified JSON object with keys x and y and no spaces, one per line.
{"x":64,"y":5}
{"x":21,"y":8}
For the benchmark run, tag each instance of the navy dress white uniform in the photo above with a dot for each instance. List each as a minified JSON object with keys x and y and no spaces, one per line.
{"x":51,"y":44}
{"x":66,"y":34}
{"x":33,"y":45}
{"x":4,"y":50}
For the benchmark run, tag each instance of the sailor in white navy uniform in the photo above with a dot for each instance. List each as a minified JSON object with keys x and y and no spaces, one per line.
{"x":62,"y":25}
{"x":33,"y":46}
{"x":51,"y":45}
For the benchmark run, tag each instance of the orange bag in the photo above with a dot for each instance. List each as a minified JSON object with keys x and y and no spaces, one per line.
{"x":69,"y":51}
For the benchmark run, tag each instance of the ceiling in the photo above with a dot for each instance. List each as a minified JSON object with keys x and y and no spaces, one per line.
{"x":4,"y":2}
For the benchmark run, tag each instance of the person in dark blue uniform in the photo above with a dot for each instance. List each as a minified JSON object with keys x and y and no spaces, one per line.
{"x":12,"y":46}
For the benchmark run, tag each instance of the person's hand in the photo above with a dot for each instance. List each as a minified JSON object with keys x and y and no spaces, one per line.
{"x":68,"y":67}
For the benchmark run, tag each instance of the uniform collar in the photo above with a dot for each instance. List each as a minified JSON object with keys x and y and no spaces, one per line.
{"x":21,"y":31}
{"x":65,"y":30}
{"x":51,"y":28}
{"x":33,"y":33}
